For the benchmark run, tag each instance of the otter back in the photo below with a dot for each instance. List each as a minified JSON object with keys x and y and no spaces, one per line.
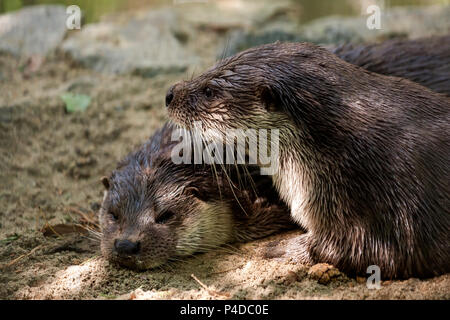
{"x":425,"y":61}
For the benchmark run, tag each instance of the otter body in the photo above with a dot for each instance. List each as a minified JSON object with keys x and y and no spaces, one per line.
{"x":425,"y":61}
{"x":155,"y":211}
{"x":364,"y":158}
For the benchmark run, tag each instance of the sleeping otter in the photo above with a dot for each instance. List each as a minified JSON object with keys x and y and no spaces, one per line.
{"x":363,"y":160}
{"x":155,"y":211}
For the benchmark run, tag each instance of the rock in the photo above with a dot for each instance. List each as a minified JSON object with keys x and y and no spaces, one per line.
{"x":324,"y":273}
{"x":241,"y":40}
{"x":34,"y":30}
{"x":293,"y":277}
{"x":361,"y":280}
{"x":231,"y":15}
{"x":145,"y":45}
{"x":397,"y":21}
{"x":335,"y":30}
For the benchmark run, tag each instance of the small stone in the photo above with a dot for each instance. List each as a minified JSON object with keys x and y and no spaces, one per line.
{"x":361,"y":280}
{"x":291,"y":277}
{"x":323,"y":273}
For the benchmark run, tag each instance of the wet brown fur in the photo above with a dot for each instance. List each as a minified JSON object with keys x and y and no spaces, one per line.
{"x":425,"y":61}
{"x":207,"y":208}
{"x":364,"y":158}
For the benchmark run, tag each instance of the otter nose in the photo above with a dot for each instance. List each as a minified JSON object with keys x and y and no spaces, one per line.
{"x":169,"y":96}
{"x":126,"y":247}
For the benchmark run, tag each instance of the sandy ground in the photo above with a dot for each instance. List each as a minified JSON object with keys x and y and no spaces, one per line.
{"x":51,"y":163}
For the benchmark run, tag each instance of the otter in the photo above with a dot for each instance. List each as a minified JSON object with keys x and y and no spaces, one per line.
{"x":363,"y":159}
{"x":425,"y":60}
{"x":155,"y":211}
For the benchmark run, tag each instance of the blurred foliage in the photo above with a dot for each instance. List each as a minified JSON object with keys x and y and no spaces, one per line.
{"x":10,"y":238}
{"x":92,"y":9}
{"x":312,"y":9}
{"x":76,"y":102}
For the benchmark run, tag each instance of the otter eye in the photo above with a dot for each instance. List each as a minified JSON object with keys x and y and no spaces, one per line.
{"x":114,"y":215}
{"x":164,"y":217}
{"x":208,"y":92}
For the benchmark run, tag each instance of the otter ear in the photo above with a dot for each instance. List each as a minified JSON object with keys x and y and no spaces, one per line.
{"x":105,"y":181}
{"x":269,"y":98}
{"x":194,"y":191}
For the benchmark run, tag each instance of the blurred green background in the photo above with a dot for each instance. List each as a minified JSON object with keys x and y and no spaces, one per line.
{"x":312,"y":9}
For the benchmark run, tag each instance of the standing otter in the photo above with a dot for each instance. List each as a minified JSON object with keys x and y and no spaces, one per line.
{"x":155,"y":211}
{"x":364,"y":158}
{"x":425,"y":61}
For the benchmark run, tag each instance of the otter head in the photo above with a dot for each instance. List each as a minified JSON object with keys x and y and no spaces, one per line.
{"x":298,"y":88}
{"x":253,"y":89}
{"x":154,"y":211}
{"x":228,"y":96}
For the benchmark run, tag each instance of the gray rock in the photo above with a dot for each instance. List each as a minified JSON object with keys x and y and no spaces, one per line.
{"x":241,"y":40}
{"x":145,"y":45}
{"x":221,"y":16}
{"x":34,"y":30}
{"x":410,"y":22}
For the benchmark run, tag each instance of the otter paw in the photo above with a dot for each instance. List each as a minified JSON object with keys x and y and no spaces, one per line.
{"x":294,"y":250}
{"x":324,"y":273}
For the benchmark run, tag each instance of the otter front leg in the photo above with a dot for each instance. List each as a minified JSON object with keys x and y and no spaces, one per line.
{"x":296,"y":249}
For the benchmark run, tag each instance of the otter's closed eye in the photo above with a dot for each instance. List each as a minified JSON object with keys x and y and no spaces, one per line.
{"x":114,"y":215}
{"x":164,"y":217}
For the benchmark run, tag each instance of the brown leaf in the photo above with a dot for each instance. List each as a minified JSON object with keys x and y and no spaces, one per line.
{"x":62,"y":229}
